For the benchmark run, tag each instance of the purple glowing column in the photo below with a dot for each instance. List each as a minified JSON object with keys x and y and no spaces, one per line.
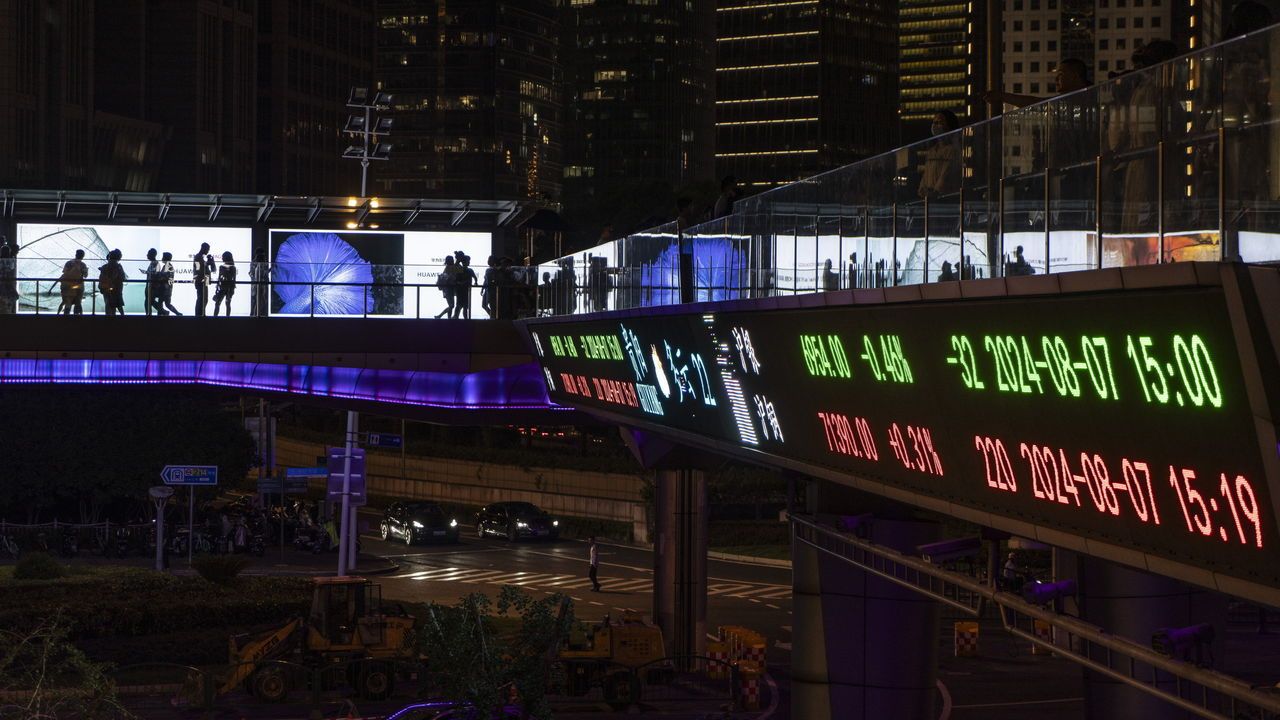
{"x":862,"y":647}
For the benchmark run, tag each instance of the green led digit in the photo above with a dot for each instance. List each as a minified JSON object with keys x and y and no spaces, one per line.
{"x":1152,"y":365}
{"x":1030,"y":366}
{"x":1192,"y":384}
{"x":1063,"y":356}
{"x":1055,"y":374}
{"x":1101,"y":342}
{"x":1137,"y":365}
{"x":1094,"y":365}
{"x":1204,"y":368}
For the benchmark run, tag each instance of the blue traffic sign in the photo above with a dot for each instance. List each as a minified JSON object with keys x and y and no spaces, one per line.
{"x":387,"y":440}
{"x":307,"y":472}
{"x":190,"y":475}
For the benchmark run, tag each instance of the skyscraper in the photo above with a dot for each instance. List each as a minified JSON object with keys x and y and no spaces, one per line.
{"x":941,"y":61}
{"x":46,"y":93}
{"x":477,"y":110}
{"x":802,"y":87}
{"x":310,"y":55}
{"x":201,"y":82}
{"x":639,"y":92}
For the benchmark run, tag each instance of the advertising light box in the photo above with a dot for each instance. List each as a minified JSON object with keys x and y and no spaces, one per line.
{"x":43,"y":249}
{"x":374,"y":273}
{"x":1122,"y":418}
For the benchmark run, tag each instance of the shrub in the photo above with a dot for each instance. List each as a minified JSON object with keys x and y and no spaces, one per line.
{"x":38,"y":566}
{"x":220,"y":569}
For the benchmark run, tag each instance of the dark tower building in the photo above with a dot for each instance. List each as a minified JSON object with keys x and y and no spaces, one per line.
{"x":310,"y":55}
{"x":803,"y":87}
{"x":942,"y":61}
{"x":475,"y":86}
{"x":201,"y":70}
{"x":640,"y":91}
{"x":46,"y":93}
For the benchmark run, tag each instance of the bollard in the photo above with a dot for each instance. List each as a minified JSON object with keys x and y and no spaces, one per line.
{"x":749,"y":685}
{"x":966,"y":638}
{"x":1043,"y":631}
{"x":718,"y":668}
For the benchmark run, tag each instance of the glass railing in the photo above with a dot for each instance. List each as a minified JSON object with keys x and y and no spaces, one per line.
{"x":40,"y":285}
{"x":1176,"y":162}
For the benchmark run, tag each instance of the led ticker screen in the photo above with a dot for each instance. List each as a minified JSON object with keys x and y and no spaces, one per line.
{"x":1122,"y":418}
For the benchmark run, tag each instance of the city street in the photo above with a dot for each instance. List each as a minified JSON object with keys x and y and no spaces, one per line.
{"x":1005,"y":681}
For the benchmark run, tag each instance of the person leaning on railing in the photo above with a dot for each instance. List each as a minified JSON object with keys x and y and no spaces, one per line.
{"x":1071,"y":75}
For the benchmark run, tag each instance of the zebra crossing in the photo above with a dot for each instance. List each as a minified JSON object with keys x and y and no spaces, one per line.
{"x":553,"y":582}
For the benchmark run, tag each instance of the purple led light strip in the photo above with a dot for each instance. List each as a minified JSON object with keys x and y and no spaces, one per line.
{"x":515,"y":388}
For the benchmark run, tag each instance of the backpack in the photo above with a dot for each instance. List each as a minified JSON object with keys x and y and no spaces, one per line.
{"x":107,"y":279}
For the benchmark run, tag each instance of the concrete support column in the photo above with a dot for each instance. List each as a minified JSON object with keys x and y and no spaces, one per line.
{"x":1135,"y":604}
{"x":680,"y":560}
{"x":862,"y":647}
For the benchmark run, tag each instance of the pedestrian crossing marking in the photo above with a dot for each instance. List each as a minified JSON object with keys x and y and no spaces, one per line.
{"x":559,"y":582}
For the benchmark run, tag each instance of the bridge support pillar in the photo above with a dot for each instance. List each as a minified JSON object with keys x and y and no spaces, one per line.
{"x":862,"y":647}
{"x":680,"y":560}
{"x":1135,"y":604}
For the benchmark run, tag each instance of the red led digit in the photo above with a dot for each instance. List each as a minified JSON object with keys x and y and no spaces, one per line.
{"x":1039,"y":487}
{"x":1064,"y":472}
{"x":1092,"y":482}
{"x":1251,"y":509}
{"x":1136,"y":496}
{"x":1177,"y":487}
{"x":1003,"y":462}
{"x":1108,"y":490}
{"x":1224,"y":489}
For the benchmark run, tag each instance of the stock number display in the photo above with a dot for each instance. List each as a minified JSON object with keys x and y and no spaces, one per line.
{"x":1120,"y":417}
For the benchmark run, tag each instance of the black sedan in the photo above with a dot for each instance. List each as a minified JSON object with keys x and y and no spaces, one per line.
{"x":418,"y":521}
{"x":516,"y":520}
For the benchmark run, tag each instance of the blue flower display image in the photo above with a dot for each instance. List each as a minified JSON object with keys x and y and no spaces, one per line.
{"x":318,"y":260}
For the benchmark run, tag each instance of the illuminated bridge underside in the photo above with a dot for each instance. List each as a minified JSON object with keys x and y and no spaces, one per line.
{"x":1126,"y":414}
{"x":458,"y":372}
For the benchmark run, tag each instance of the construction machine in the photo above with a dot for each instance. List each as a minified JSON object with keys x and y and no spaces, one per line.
{"x":610,"y":655}
{"x":348,"y":630}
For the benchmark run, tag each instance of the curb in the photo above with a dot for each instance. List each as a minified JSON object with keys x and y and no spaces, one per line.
{"x":748,"y":559}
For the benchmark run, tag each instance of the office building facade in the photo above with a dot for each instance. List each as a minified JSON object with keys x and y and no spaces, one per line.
{"x":476,"y":99}
{"x":802,"y":87}
{"x":941,"y":62}
{"x":640,"y":90}
{"x":310,"y":55}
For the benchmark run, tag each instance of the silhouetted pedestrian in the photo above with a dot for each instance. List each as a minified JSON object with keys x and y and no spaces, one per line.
{"x":153,"y":268}
{"x":226,"y":283}
{"x":259,"y":274}
{"x":466,"y":279}
{"x":447,"y":281}
{"x":8,"y":281}
{"x":74,"y":273}
{"x":164,"y":286}
{"x":202,"y":268}
{"x":111,"y":279}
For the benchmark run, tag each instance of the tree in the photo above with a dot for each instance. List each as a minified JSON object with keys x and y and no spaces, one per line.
{"x":78,"y":450}
{"x":480,"y":656}
{"x":46,"y":677}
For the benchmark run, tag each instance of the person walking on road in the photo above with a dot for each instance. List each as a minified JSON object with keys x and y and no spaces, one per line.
{"x":593,"y":554}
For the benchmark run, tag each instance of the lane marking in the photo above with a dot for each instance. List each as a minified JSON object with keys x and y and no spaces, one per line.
{"x":722,"y":589}
{"x":627,"y":586}
{"x":1017,"y":703}
{"x":756,"y":591}
{"x":771,"y":606}
{"x":773,"y":698}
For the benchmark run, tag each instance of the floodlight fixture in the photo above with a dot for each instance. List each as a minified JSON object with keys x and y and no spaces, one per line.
{"x":359,"y":97}
{"x":381,"y":151}
{"x":382,"y":100}
{"x":1043,"y":593}
{"x":355,"y":125}
{"x":383,"y":126}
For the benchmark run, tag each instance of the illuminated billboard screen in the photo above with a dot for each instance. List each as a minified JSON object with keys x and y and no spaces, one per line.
{"x":43,"y":249}
{"x":1120,"y":417}
{"x":369,"y":273}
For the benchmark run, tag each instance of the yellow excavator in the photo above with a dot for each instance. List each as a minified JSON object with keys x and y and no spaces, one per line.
{"x":610,"y":655}
{"x":348,"y":630}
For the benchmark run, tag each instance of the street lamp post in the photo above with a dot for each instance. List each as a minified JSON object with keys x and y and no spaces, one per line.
{"x":369,"y":129}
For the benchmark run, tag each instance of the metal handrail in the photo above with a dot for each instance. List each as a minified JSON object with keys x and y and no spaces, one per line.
{"x":908,"y":571}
